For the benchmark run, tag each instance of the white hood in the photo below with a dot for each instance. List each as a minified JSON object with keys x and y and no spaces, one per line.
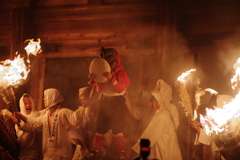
{"x":53,"y":97}
{"x":22,"y":107}
{"x":165,"y":89}
{"x":158,"y":96}
{"x":163,"y":94}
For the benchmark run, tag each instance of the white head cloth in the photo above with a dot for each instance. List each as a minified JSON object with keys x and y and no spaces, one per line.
{"x":53,"y":97}
{"x":22,"y":107}
{"x":158,"y":96}
{"x":165,"y":90}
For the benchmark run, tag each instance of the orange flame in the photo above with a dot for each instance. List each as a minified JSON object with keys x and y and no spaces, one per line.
{"x":33,"y":47}
{"x":221,"y":119}
{"x":224,"y":119}
{"x":236,"y":77}
{"x":184,"y":75}
{"x":12,"y":72}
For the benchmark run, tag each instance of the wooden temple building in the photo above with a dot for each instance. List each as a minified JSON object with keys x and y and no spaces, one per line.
{"x":155,"y":38}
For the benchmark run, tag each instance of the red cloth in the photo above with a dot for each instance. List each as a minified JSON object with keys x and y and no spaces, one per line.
{"x":120,"y":77}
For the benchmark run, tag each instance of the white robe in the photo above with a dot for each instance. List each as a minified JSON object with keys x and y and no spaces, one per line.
{"x":56,"y":144}
{"x":161,"y":131}
{"x":29,"y":142}
{"x":163,"y":138}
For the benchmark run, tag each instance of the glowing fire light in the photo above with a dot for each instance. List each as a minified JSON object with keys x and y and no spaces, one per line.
{"x":218,"y":120}
{"x":183,"y":94}
{"x":184,"y":75}
{"x":221,"y":119}
{"x":13,"y":71}
{"x":236,"y":77}
{"x":33,"y":47}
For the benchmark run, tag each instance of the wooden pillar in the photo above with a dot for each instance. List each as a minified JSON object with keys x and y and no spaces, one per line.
{"x":23,"y":29}
{"x":165,"y":54}
{"x":37,"y":81}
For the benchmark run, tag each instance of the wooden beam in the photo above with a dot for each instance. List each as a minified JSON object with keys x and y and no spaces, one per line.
{"x":5,"y":41}
{"x":24,"y":28}
{"x":95,"y":12}
{"x":6,"y":31}
{"x":37,"y":81}
{"x":60,"y":3}
{"x":190,"y":8}
{"x":94,"y":2}
{"x":212,"y":24}
{"x":6,"y":18}
{"x":91,"y":52}
{"x":96,"y":32}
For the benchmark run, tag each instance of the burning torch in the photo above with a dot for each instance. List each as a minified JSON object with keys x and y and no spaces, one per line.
{"x":12,"y":72}
{"x":183,"y":94}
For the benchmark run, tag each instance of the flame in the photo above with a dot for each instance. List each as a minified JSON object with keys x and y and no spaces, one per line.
{"x":222,"y":119}
{"x":218,"y":120}
{"x":12,"y":72}
{"x":33,"y":47}
{"x":184,"y":75}
{"x":212,"y":91}
{"x":236,"y":77}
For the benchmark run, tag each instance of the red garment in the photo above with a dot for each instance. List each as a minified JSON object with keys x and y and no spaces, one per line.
{"x":120,"y":79}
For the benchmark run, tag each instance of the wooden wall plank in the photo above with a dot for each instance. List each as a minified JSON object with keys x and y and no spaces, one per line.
{"x":59,"y":3}
{"x":94,"y":12}
{"x":37,"y":81}
{"x":5,"y":41}
{"x":91,"y":52}
{"x":95,"y":30}
{"x":202,"y":24}
{"x":6,"y":31}
{"x":209,"y":7}
{"x":6,"y":18}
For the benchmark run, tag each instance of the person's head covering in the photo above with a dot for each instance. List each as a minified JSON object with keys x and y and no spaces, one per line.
{"x":82,"y":91}
{"x":22,"y":106}
{"x":165,"y":90}
{"x":158,"y":96}
{"x":223,"y":99}
{"x":90,"y":96}
{"x":53,"y":97}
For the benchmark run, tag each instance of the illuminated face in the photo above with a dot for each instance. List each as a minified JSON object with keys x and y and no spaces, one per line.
{"x":154,"y":106}
{"x":27,"y":104}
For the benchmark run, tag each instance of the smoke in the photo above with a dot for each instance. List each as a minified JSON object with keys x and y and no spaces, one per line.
{"x":229,"y":51}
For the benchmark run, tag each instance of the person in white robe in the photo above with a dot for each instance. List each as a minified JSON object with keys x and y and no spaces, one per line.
{"x":209,"y":149}
{"x":30,"y":143}
{"x":161,"y":131}
{"x":54,"y":124}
